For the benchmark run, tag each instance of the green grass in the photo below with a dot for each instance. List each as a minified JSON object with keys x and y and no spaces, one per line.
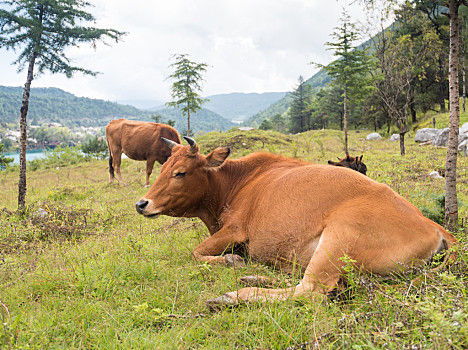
{"x":94,"y":274}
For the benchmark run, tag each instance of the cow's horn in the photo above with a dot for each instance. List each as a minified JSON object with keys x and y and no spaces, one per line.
{"x":169,"y":143}
{"x":192,"y":143}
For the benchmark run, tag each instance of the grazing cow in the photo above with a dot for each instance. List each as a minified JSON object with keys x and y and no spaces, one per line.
{"x":139,"y":141}
{"x":350,"y":162}
{"x":291,"y":214}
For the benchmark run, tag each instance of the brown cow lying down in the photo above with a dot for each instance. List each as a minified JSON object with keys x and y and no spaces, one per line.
{"x":350,"y":162}
{"x":139,"y":141}
{"x":290,"y":213}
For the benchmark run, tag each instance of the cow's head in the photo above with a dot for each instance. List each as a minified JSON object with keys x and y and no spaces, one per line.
{"x":350,"y":162}
{"x":183,"y":181}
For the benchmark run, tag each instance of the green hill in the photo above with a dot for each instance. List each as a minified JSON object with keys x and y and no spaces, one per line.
{"x":55,"y":105}
{"x":317,"y":81}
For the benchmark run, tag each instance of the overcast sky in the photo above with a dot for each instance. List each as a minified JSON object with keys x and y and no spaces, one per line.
{"x":249,"y":45}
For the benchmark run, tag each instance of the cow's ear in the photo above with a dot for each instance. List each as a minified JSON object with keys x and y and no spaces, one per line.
{"x":217,"y":157}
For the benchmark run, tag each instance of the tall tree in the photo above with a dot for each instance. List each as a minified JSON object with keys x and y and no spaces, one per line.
{"x":41,"y":30}
{"x":451,"y":202}
{"x":433,"y":12}
{"x":349,"y":71}
{"x":402,"y":60}
{"x":187,"y":77}
{"x":299,"y":117}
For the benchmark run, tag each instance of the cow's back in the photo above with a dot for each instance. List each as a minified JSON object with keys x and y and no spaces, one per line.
{"x":286,"y":210}
{"x":142,"y":140}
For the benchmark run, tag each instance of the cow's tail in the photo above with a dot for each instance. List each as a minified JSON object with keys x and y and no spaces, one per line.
{"x":111,"y":168}
{"x":450,"y":245}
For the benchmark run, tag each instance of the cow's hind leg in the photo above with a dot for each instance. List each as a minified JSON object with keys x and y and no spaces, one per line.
{"x":149,"y":170}
{"x":321,"y":277}
{"x":117,"y":160}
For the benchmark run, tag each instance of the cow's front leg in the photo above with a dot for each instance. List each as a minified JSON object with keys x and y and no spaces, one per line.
{"x":222,"y":241}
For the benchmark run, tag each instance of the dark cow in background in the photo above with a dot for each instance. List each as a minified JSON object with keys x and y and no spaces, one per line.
{"x":350,"y":162}
{"x":293,"y":215}
{"x":139,"y":141}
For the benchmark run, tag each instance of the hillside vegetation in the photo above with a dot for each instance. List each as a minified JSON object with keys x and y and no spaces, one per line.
{"x":95,"y":274}
{"x":55,"y":105}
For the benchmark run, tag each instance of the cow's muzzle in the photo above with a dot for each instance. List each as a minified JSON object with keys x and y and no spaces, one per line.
{"x":140,"y":206}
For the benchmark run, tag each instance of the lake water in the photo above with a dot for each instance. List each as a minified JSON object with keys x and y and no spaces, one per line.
{"x":30,"y":155}
{"x":34,"y":154}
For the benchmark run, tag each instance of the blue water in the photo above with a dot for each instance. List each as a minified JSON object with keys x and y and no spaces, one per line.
{"x":30,"y":155}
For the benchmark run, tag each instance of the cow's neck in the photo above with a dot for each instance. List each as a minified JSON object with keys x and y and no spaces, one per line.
{"x":226,"y":183}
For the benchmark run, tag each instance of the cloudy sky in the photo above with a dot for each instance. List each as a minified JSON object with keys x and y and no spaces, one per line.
{"x":249,"y":45}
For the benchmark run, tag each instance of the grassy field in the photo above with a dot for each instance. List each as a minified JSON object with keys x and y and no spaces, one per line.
{"x":95,"y":274}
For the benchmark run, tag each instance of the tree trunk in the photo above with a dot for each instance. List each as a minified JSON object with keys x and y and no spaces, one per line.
{"x":451,"y":205}
{"x":462,"y":43}
{"x":402,"y":143}
{"x":441,"y":86}
{"x":413,"y":113}
{"x":23,"y":133}
{"x":464,"y":81}
{"x":345,"y":119}
{"x":188,"y":123}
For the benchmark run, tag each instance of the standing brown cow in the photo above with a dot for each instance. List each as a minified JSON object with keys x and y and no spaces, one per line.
{"x":291,"y":214}
{"x":139,"y":141}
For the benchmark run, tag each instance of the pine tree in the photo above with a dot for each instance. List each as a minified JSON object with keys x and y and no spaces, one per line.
{"x":187,"y":84}
{"x":350,"y":71}
{"x":299,"y":118}
{"x":42,"y":30}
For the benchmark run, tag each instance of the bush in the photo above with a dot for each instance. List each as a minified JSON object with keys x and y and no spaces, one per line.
{"x":436,"y":214}
{"x":95,"y":148}
{"x":4,"y":161}
{"x":58,"y":157}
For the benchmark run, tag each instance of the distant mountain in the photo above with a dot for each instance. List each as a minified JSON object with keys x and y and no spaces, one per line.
{"x":204,"y":120}
{"x":55,"y":105}
{"x":240,"y":106}
{"x":317,"y":81}
{"x":146,"y":105}
{"x":236,"y":106}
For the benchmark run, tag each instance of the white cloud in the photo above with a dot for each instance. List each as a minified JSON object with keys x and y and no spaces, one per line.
{"x":250,"y":46}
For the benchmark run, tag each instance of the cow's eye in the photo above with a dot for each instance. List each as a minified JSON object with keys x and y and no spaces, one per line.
{"x":180,"y":174}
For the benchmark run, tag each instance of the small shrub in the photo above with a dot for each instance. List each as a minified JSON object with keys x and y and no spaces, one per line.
{"x":4,"y":161}
{"x":95,"y":148}
{"x":62,"y":156}
{"x":436,"y":214}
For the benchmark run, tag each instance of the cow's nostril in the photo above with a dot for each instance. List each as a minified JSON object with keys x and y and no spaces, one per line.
{"x":140,"y":206}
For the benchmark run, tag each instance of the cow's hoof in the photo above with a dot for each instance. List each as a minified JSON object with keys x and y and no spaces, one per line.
{"x":220,"y":302}
{"x":258,"y":281}
{"x":234,"y":260}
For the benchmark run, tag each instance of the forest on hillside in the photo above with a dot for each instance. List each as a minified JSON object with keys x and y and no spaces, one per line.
{"x":55,"y":105}
{"x":392,"y":79}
